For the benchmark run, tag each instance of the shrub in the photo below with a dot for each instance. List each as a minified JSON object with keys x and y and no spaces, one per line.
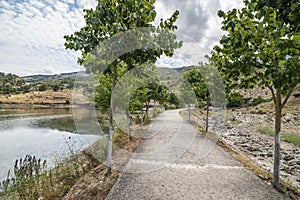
{"x":236,"y":100}
{"x":42,"y":87}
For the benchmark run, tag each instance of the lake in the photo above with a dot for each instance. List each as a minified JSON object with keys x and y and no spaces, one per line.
{"x":37,"y":132}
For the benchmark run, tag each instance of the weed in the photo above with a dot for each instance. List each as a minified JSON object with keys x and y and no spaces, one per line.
{"x":26,"y":180}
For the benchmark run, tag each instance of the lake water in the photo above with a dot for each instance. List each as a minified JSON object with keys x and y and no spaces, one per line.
{"x":22,"y":134}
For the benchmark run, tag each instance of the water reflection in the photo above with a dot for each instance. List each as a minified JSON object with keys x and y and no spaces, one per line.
{"x":20,"y":134}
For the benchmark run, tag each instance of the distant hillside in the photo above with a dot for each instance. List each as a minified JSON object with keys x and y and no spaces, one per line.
{"x":165,"y":74}
{"x":170,"y":77}
{"x":43,"y":78}
{"x":13,"y":84}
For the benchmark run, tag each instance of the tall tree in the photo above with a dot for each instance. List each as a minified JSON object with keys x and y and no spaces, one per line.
{"x":262,"y":47}
{"x":107,"y":21}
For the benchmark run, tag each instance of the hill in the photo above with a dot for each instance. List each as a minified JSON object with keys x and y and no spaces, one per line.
{"x":43,"y":78}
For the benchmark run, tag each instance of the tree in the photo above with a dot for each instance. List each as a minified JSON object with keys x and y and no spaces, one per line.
{"x":107,"y":21}
{"x":129,"y":95}
{"x":172,"y":100}
{"x":261,"y":48}
{"x":194,"y":77}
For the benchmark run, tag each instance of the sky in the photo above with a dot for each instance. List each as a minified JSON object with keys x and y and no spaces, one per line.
{"x":31,"y":32}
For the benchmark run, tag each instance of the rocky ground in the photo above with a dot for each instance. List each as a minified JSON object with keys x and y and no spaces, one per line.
{"x":240,"y":130}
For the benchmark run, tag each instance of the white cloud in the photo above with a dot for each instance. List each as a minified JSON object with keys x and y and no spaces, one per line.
{"x":31,"y":32}
{"x":32,"y":36}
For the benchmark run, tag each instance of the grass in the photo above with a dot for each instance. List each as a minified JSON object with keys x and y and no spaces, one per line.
{"x":30,"y":180}
{"x":295,"y":139}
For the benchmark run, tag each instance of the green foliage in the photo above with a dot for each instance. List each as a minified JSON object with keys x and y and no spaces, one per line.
{"x":147,"y":94}
{"x":105,"y":23}
{"x":113,"y":17}
{"x":42,"y":87}
{"x":103,"y":92}
{"x":11,"y":83}
{"x":172,"y":101}
{"x":235,"y":100}
{"x":260,"y":47}
{"x":103,"y":46}
{"x":194,"y":77}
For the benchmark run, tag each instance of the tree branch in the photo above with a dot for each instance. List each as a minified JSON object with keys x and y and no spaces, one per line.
{"x":268,"y":86}
{"x":273,"y":93}
{"x":286,"y":98}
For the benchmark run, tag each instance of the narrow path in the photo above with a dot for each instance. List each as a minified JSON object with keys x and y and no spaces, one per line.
{"x":174,"y":161}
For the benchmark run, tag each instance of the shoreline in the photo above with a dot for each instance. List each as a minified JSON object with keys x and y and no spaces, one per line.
{"x":22,"y":105}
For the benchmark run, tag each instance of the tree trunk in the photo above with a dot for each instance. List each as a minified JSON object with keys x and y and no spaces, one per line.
{"x":278,"y":112}
{"x":147,"y":112}
{"x":189,"y":112}
{"x":111,"y":128}
{"x":128,"y":124}
{"x":207,"y":112}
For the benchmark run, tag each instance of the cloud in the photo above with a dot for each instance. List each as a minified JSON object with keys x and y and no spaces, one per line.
{"x":198,"y":24}
{"x":32,"y":36}
{"x":31,"y":32}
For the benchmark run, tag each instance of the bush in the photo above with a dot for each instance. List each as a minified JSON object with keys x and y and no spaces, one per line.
{"x":42,"y":87}
{"x":236,"y":100}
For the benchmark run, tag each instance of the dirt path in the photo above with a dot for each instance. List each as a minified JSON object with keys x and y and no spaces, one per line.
{"x":175,"y":162}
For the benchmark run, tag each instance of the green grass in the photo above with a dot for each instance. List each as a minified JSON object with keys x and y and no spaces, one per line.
{"x":295,"y":139}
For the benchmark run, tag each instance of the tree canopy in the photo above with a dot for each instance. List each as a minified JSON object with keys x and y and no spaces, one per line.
{"x":120,"y":34}
{"x":261,"y":48}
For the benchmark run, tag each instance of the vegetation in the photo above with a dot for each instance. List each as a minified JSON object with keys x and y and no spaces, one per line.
{"x":102,"y":31}
{"x":261,"y":48}
{"x":32,"y":179}
{"x":286,"y":136}
{"x":13,"y":84}
{"x":27,"y":178}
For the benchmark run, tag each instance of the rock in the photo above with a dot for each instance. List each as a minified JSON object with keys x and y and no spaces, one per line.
{"x":288,"y":157}
{"x":253,"y":148}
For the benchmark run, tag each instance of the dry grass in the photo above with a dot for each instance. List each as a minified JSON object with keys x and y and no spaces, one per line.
{"x":42,"y":98}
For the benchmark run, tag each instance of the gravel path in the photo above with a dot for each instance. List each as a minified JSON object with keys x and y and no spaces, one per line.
{"x":173,"y":161}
